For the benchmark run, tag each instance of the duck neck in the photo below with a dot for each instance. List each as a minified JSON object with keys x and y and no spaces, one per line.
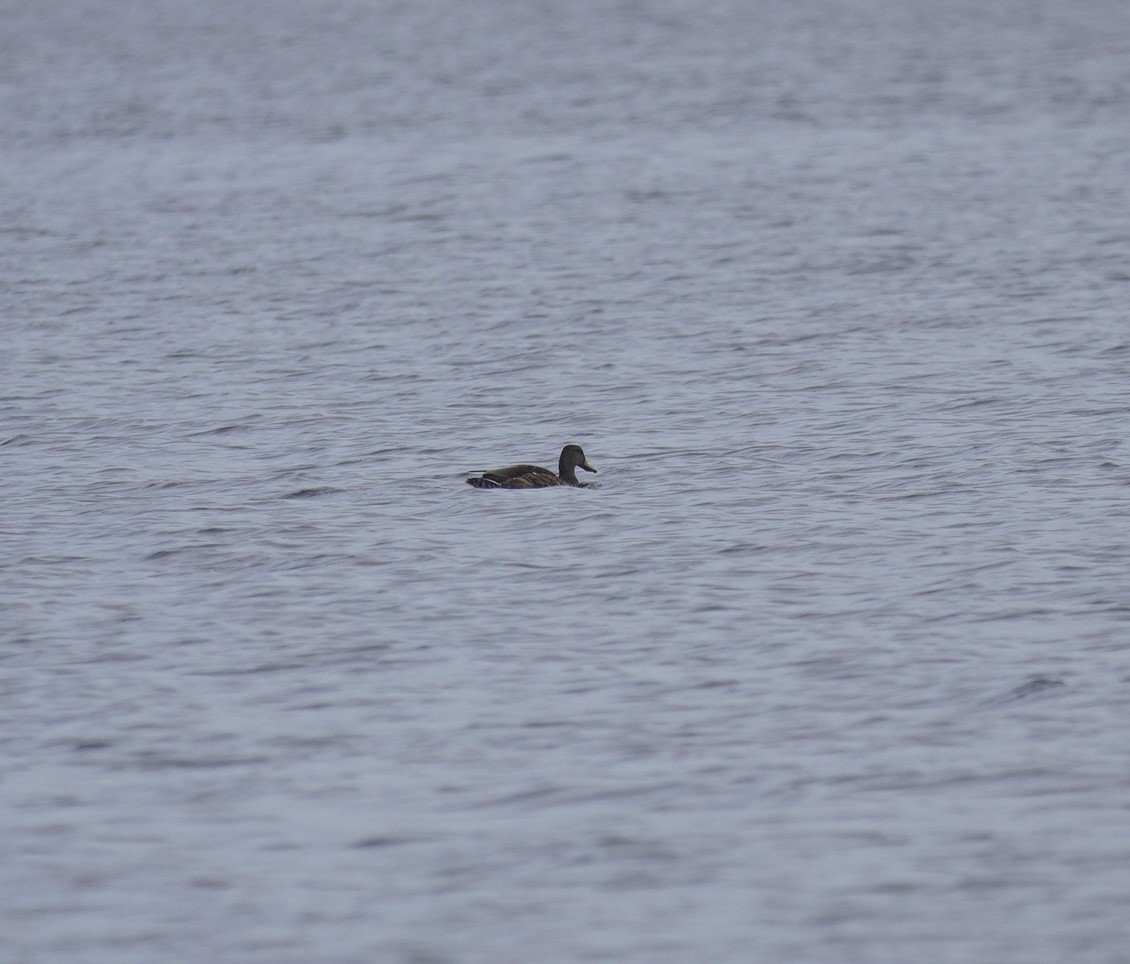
{"x":567,"y":472}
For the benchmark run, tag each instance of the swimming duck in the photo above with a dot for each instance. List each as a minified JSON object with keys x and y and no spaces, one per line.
{"x":534,"y":476}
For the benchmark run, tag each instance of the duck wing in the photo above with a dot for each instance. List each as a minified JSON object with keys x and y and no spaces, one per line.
{"x":515,"y":472}
{"x":539,"y":479}
{"x":516,"y":477}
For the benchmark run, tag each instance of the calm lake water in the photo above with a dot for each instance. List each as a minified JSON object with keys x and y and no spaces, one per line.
{"x":833,"y":661}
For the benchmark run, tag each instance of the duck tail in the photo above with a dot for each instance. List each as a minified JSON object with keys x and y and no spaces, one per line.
{"x":480,"y":483}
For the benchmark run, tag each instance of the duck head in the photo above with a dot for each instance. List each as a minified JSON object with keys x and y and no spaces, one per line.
{"x":573,"y":456}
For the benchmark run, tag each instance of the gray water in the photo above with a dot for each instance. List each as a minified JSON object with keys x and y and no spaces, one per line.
{"x":831,"y":664}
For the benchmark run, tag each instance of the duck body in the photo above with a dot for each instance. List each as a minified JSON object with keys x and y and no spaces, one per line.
{"x":534,"y":476}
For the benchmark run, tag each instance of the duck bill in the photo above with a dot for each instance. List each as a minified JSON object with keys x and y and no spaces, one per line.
{"x":588,"y":468}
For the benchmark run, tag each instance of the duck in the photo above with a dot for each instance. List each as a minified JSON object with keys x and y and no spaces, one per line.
{"x":534,"y":476}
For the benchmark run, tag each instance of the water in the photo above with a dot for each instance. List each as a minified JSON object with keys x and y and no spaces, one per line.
{"x":832,"y":662}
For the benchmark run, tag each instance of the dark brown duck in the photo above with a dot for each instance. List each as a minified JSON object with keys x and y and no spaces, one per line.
{"x":534,"y":476}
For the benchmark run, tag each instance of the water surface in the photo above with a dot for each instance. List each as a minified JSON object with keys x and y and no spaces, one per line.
{"x":831,"y":663}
